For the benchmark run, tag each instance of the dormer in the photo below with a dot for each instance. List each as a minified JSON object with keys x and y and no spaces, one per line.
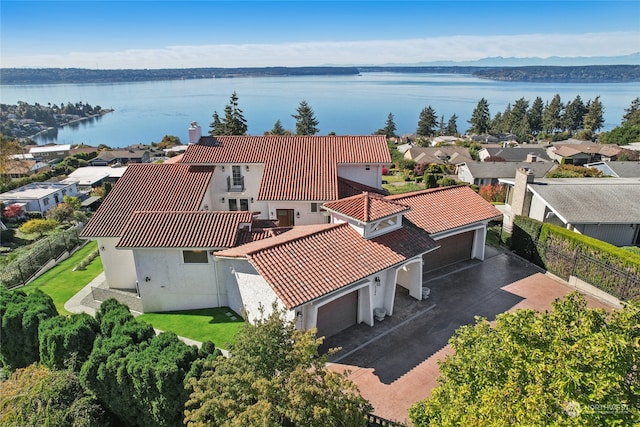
{"x":370,"y":214}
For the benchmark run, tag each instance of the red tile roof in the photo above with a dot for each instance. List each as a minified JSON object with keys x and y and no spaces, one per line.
{"x":348,"y":188}
{"x":195,"y":229}
{"x":307,"y":164}
{"x":440,"y":209}
{"x":149,"y":187}
{"x":366,"y":207}
{"x":311,"y":261}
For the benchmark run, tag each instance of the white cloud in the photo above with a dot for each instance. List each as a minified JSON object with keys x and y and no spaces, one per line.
{"x":457,"y":48}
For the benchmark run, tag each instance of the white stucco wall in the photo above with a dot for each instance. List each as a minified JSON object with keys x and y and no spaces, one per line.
{"x":538,"y":209}
{"x":166,"y":283}
{"x":306,"y":217}
{"x":218,"y":187}
{"x":247,"y":291}
{"x":359,"y":173}
{"x":119,"y":266}
{"x":464,"y":174}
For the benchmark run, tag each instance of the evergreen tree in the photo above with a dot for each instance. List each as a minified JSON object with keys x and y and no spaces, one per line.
{"x":441,"y":127}
{"x":632,"y":114}
{"x":573,"y":114}
{"x":535,"y":115}
{"x":427,"y":122}
{"x":552,"y":116}
{"x":452,"y":125}
{"x":233,"y":123}
{"x":277,"y":129}
{"x":389,"y":130}
{"x":480,"y":118}
{"x":593,"y":119}
{"x":306,"y":123}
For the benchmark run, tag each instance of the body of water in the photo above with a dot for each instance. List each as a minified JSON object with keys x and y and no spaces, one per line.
{"x":347,"y":105}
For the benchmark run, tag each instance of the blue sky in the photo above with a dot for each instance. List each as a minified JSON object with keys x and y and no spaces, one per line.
{"x":159,"y":34}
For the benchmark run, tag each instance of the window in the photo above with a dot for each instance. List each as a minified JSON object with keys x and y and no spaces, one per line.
{"x":195,"y":257}
{"x":314,"y":207}
{"x":56,"y":198}
{"x":233,"y":204}
{"x":367,"y":167}
{"x":236,"y":176}
{"x":244,"y":204}
{"x":45,"y":201}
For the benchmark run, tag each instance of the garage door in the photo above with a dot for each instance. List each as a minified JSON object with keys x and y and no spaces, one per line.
{"x":452,"y":249}
{"x":338,"y":315}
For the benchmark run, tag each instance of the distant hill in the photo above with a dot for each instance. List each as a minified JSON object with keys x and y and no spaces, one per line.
{"x":584,"y":74}
{"x":499,"y":61}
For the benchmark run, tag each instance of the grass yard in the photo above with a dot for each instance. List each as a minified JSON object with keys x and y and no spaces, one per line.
{"x":213,"y":324}
{"x":61,"y":282}
{"x":405,"y":188}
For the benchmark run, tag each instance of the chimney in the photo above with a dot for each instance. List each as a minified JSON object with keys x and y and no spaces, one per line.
{"x":195,"y":132}
{"x":521,"y":201}
{"x":532,"y":158}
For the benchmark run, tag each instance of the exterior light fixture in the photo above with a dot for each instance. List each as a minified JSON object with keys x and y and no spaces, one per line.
{"x":147,"y":279}
{"x":222,"y":200}
{"x":298,"y":214}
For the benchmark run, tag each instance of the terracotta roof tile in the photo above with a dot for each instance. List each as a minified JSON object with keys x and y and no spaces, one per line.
{"x":311,"y":261}
{"x":308,"y":164}
{"x":149,"y":187}
{"x":440,"y":209}
{"x":348,"y":188}
{"x":196,"y":229}
{"x":366,"y":207}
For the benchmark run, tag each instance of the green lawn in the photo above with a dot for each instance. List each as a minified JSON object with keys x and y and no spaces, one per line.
{"x":61,"y":282}
{"x":211,"y":324}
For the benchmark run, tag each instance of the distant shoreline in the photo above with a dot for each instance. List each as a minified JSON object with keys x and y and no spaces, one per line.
{"x":534,"y":74}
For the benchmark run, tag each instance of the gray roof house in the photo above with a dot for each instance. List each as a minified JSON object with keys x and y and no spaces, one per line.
{"x":441,"y":155}
{"x":489,"y":173}
{"x":607,"y":209}
{"x":523,"y":153}
{"x":617,"y":169}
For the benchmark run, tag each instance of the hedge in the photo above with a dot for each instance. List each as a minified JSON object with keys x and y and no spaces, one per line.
{"x":524,"y":239}
{"x":612,"y":269}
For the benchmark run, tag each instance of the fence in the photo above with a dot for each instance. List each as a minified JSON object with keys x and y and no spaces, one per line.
{"x":21,"y":270}
{"x":376,"y":421}
{"x":623,"y":284}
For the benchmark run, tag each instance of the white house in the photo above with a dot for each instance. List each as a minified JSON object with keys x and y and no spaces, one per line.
{"x":333,"y":258}
{"x":39,"y":196}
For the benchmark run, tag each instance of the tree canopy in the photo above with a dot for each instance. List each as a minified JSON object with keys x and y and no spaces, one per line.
{"x":572,"y":366}
{"x":233,"y":122}
{"x":480,"y":120}
{"x":274,"y":377}
{"x":306,"y":122}
{"x":427,"y":122}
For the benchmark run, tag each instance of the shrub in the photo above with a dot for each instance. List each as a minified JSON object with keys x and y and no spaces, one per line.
{"x":67,"y":341}
{"x":524,"y":239}
{"x":21,"y":316}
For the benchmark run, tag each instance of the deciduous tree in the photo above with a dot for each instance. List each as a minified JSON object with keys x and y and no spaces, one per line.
{"x":274,"y":377}
{"x":572,"y":366}
{"x":38,"y":226}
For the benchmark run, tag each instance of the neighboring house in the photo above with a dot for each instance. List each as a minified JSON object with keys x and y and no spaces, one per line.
{"x":17,"y":168}
{"x":579,"y":154}
{"x":39,"y":196}
{"x":441,"y":155}
{"x":607,"y":209}
{"x":93,"y":176}
{"x":178,"y":244}
{"x":49,"y":153}
{"x":489,"y":173}
{"x":84,"y":149}
{"x":123,"y":157}
{"x":617,"y":169}
{"x":523,"y":153}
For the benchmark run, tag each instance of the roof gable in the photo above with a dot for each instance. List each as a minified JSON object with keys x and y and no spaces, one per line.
{"x":366,"y":207}
{"x":149,"y":187}
{"x":441,"y":209}
{"x":308,"y":164}
{"x":311,"y":261}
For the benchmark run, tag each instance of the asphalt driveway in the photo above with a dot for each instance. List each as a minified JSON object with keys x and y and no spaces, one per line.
{"x":395,"y":363}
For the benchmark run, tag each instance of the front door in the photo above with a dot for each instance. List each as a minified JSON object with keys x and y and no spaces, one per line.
{"x":285,"y":217}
